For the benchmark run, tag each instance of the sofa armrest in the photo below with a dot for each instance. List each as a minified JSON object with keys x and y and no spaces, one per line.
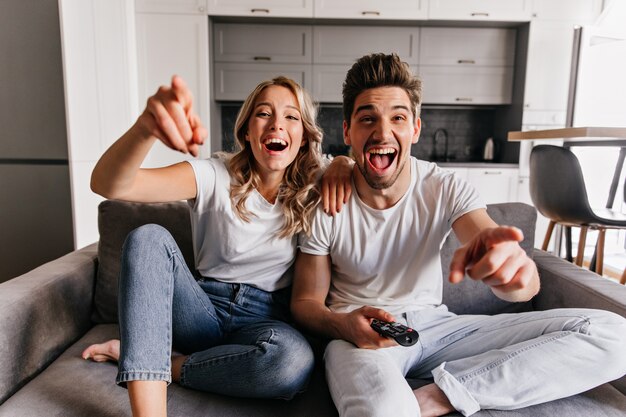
{"x":565,"y":285}
{"x":41,"y":313}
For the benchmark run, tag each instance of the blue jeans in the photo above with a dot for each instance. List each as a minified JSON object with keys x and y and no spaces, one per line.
{"x":503,"y":362}
{"x":236,"y":336}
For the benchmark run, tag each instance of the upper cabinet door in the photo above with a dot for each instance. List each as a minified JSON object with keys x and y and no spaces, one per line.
{"x":345,"y":44}
{"x":579,"y":11}
{"x":235,"y":81}
{"x":262,"y":43}
{"x":172,"y":6}
{"x":548,"y":66}
{"x":456,"y":85}
{"x":467,"y":47}
{"x":371,"y":9}
{"x":261,"y":8}
{"x":159,"y":52}
{"x":499,"y":10}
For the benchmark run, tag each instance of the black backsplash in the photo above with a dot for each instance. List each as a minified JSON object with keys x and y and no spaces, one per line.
{"x":466,"y":131}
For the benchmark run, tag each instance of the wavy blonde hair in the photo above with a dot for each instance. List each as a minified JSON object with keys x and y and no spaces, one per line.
{"x":298,"y":193}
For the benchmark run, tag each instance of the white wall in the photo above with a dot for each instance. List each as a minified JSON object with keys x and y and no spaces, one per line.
{"x":100,"y":75}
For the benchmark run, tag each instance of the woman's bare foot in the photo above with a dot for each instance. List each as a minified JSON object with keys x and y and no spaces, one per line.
{"x":107,"y":351}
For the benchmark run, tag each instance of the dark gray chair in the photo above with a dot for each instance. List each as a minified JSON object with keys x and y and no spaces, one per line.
{"x":557,"y":188}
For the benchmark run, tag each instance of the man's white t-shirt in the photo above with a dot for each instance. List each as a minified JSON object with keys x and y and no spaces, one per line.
{"x":390,"y":258}
{"x":229,"y":249}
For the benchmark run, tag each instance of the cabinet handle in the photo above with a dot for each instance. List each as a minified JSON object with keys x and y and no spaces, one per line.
{"x":260,"y":10}
{"x":480,"y":14}
{"x":466,"y":61}
{"x":464,"y":99}
{"x":370,"y":12}
{"x":262,"y":58}
{"x":492,"y":172}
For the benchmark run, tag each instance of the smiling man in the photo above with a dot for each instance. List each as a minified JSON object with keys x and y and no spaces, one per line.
{"x":379,"y":259}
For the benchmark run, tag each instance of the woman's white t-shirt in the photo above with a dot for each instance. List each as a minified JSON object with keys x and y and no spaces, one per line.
{"x":229,"y":249}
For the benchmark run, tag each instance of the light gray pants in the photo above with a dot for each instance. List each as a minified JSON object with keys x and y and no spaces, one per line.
{"x":503,"y":362}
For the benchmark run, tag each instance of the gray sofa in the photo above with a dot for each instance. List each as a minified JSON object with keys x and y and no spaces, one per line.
{"x":49,"y":315}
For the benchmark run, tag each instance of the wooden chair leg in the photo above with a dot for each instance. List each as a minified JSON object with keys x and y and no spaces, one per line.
{"x":581,"y":245}
{"x":600,"y":256}
{"x":546,"y":240}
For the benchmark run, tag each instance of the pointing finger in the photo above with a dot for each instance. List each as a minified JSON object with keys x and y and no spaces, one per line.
{"x":458,"y":264}
{"x":182,"y":93}
{"x":502,"y":234}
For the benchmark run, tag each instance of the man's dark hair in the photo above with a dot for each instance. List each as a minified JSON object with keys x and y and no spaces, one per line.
{"x":380,"y":70}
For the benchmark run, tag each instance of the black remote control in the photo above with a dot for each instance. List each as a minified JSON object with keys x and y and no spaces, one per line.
{"x":402,"y":334}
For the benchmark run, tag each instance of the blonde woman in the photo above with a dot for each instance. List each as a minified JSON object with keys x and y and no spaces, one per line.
{"x":230,"y":320}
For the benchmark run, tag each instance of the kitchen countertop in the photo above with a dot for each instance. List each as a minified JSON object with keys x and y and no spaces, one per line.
{"x":475,"y":165}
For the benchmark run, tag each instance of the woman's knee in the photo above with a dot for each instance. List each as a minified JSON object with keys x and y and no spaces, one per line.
{"x":146,"y":236}
{"x":291,"y":363}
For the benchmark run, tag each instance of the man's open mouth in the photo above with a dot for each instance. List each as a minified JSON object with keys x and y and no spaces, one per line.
{"x":275,"y":145}
{"x":381,"y":158}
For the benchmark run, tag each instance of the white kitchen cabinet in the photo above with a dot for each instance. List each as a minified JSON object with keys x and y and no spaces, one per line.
{"x":467,"y":65}
{"x":168,"y":45}
{"x":172,"y":6}
{"x":235,"y":81}
{"x":548,"y":67}
{"x":582,"y":11}
{"x":480,"y":10}
{"x":262,"y":43}
{"x":345,"y":44}
{"x":371,"y":9}
{"x":261,"y":8}
{"x":494,"y":185}
{"x":466,"y":85}
{"x":328,"y":82}
{"x":100,"y":80}
{"x":467,"y":46}
{"x":460,"y":172}
{"x":549,"y":58}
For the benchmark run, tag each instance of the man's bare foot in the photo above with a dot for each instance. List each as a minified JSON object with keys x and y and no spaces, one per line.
{"x":432,"y":401}
{"x":107,"y":351}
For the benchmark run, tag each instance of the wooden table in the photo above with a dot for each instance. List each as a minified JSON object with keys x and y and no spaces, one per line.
{"x":583,"y":136}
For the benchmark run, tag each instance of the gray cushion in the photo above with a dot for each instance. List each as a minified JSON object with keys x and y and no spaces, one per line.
{"x":116,"y":219}
{"x":72,"y":387}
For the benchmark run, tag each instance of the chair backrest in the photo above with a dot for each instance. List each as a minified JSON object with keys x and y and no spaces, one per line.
{"x":557,"y":187}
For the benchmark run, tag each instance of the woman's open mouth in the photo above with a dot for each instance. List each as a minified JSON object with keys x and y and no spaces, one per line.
{"x":381,"y":158}
{"x":275,"y":145}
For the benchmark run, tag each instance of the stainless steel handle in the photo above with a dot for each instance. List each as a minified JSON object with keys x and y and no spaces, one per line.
{"x":260,"y":10}
{"x":492,"y":172}
{"x":480,"y":14}
{"x":464,"y":99}
{"x":262,"y":58}
{"x":372,"y":12}
{"x":466,"y":61}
